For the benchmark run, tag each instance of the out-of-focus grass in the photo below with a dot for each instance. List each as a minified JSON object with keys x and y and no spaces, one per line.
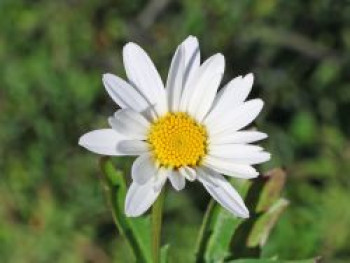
{"x":52,"y":55}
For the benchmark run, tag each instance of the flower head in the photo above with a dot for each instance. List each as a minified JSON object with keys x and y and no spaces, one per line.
{"x":185,"y":130}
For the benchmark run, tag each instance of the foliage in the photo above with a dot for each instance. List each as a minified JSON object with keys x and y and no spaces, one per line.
{"x":52,"y":55}
{"x":222,"y":237}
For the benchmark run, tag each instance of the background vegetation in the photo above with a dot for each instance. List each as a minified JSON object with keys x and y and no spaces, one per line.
{"x":52,"y":55}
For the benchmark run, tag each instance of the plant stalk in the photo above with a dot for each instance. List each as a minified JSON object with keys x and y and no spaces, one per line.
{"x":205,"y":232}
{"x":157,"y":210}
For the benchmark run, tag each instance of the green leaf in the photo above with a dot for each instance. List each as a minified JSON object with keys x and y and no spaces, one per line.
{"x":251,"y":234}
{"x":265,"y":223}
{"x":164,"y":254}
{"x":275,"y":180}
{"x":136,"y":230}
{"x":225,"y":225}
{"x":217,"y":229}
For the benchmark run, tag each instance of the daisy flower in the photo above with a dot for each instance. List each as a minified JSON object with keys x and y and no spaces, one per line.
{"x":186,"y":130}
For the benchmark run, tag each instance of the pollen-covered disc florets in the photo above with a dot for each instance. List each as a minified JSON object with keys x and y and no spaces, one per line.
{"x":177,"y":140}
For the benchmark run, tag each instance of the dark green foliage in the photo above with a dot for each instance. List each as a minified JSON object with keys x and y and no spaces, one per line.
{"x":52,"y":55}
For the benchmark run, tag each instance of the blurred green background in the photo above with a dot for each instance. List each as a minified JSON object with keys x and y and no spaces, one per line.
{"x":52,"y":56}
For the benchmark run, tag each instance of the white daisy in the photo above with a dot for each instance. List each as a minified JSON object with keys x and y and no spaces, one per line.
{"x":183,"y":131}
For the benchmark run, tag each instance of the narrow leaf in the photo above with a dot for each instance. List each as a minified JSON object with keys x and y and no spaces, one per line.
{"x":217,"y":229}
{"x":135,"y":230}
{"x":275,"y":180}
{"x":264,"y":224}
{"x":248,"y":238}
{"x":164,"y":254}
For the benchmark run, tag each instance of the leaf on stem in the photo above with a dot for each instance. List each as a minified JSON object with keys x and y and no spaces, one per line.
{"x":136,"y":230}
{"x":266,"y":208}
{"x":217,"y":229}
{"x":275,"y":180}
{"x":164,"y":254}
{"x":265,"y":223}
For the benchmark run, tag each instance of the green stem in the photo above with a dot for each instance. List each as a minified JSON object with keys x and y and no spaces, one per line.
{"x":157,"y":210}
{"x":205,"y":232}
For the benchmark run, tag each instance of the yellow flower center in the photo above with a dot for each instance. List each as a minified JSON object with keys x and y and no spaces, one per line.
{"x":177,"y":140}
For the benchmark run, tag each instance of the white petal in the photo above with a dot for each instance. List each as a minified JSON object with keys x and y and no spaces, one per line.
{"x":144,"y":76}
{"x":255,"y":158}
{"x":130,"y":123}
{"x":188,"y":172}
{"x":177,"y":180}
{"x":238,"y":137}
{"x":223,"y":192}
{"x":140,"y":197}
{"x":236,"y":119}
{"x":185,"y":62}
{"x":174,"y":83}
{"x":103,"y":141}
{"x":232,"y":95}
{"x":124,"y":94}
{"x":161,"y":177}
{"x":150,"y":113}
{"x":200,"y":91}
{"x":192,"y":57}
{"x":133,"y":147}
{"x":208,"y":175}
{"x":233,"y":150}
{"x":234,"y":82}
{"x":143,"y":169}
{"x":248,"y":158}
{"x":229,"y":168}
